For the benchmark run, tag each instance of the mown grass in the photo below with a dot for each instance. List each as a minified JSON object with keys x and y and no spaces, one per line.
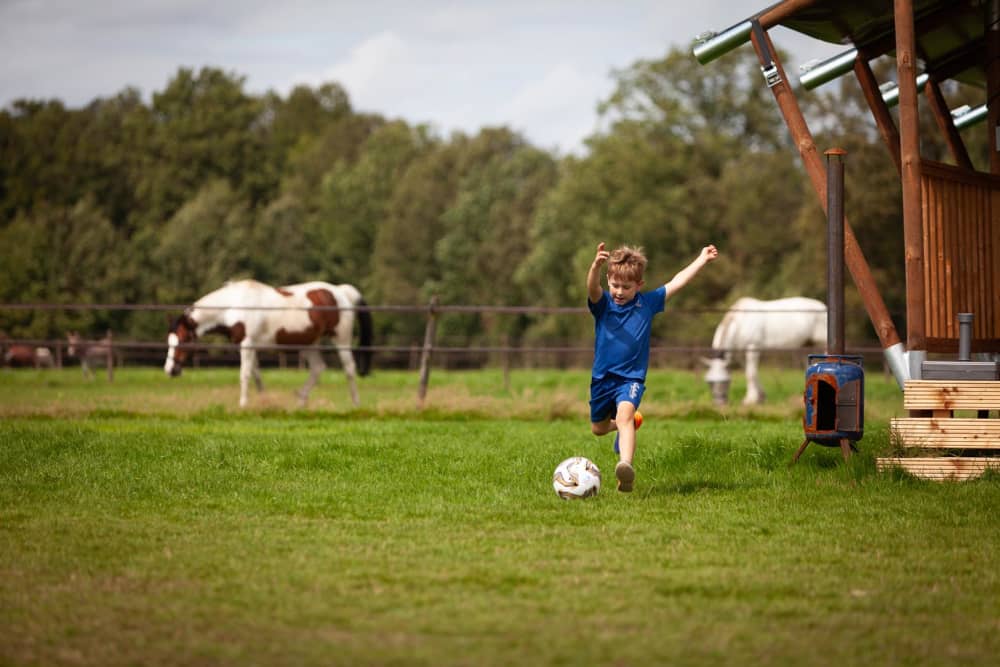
{"x":141,"y":523}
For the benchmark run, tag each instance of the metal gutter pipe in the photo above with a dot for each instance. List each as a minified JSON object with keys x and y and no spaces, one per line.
{"x":711,"y":45}
{"x":816,"y":73}
{"x":963,"y":116}
{"x":891,"y":93}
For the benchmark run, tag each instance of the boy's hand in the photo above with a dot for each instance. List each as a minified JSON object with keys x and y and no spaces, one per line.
{"x":602,"y":255}
{"x":709,"y":253}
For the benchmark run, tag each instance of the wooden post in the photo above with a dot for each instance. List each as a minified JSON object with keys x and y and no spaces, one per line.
{"x":942,"y":116}
{"x":993,"y":82}
{"x":425,"y":356}
{"x":816,"y":170}
{"x":880,"y":110}
{"x":909,"y":134}
{"x":111,"y":357}
{"x":506,"y":362}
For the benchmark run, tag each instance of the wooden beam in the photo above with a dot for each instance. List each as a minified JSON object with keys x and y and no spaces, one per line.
{"x":910,"y":162}
{"x":942,"y":115}
{"x":880,"y":110}
{"x":993,"y":82}
{"x":816,"y":170}
{"x":780,"y":11}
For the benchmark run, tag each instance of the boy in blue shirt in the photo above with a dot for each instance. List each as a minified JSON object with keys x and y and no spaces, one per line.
{"x":622,"y":319}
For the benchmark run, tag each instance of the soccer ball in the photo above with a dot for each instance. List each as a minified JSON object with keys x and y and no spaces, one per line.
{"x":576,"y":477}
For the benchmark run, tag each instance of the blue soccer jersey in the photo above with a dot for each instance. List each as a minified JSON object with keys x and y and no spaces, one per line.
{"x":621,"y":334}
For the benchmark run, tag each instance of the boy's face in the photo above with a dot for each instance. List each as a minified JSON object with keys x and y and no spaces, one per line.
{"x":623,"y":289}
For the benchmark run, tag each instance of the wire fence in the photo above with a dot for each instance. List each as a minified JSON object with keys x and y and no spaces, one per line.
{"x":413,"y":354}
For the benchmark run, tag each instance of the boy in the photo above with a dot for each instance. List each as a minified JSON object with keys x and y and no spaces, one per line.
{"x":622,"y":319}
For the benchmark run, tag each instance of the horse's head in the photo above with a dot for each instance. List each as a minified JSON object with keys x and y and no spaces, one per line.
{"x":73,"y":338}
{"x":182,"y":330}
{"x":718,"y":378}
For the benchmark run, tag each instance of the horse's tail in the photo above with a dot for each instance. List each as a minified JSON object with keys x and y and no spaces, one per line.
{"x":363,"y":353}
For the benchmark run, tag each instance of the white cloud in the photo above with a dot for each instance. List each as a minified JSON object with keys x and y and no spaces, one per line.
{"x":377,"y":66}
{"x":558,"y":109}
{"x":539,"y":66}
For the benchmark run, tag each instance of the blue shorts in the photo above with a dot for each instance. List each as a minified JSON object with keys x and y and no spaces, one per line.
{"x":608,"y":392}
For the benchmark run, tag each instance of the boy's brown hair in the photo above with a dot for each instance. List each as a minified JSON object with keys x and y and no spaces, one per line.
{"x":627,"y":263}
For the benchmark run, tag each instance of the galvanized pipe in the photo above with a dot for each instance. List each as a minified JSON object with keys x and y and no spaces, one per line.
{"x":964,"y":116}
{"x":714,"y":45}
{"x":891,"y":95}
{"x":965,"y":336}
{"x":835,"y":250}
{"x":710,"y":45}
{"x":813,"y":75}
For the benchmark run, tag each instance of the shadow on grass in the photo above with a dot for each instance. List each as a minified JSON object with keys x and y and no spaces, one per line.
{"x":693,"y":486}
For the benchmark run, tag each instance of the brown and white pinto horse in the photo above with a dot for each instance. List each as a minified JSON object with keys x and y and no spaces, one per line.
{"x":255,"y":315}
{"x":27,"y":356}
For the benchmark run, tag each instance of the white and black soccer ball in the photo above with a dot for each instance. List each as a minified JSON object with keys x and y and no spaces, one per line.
{"x":576,"y":477}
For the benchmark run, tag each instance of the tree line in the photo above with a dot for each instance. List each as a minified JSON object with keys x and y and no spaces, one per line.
{"x":124,"y":201}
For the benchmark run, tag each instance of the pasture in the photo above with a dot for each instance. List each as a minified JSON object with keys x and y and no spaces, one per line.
{"x":150,"y":521}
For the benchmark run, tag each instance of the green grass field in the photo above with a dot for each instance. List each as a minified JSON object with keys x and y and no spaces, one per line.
{"x":150,"y":522}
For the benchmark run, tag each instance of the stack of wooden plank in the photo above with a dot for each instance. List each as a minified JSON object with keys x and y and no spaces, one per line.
{"x":934,"y":427}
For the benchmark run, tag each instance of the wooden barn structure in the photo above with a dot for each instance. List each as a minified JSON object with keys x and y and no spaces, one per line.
{"x":951,"y":212}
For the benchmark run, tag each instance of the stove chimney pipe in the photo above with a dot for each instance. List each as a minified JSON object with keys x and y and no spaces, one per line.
{"x":835,"y":250}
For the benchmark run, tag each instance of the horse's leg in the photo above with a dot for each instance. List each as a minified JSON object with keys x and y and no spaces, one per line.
{"x":316,"y":366}
{"x":258,"y":382}
{"x":755,"y":393}
{"x":248,"y":358}
{"x":350,"y":370}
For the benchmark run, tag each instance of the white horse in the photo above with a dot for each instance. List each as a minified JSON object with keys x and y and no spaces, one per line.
{"x":752,"y":325}
{"x":256,"y":315}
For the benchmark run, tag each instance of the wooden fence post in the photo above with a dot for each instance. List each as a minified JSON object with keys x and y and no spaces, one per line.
{"x":111,"y":357}
{"x":425,"y":356}
{"x":506,"y":361}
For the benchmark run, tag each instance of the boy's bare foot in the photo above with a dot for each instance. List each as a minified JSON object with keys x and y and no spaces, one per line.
{"x":626,"y":475}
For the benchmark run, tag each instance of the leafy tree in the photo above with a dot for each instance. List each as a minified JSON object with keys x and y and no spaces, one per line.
{"x":284,"y":122}
{"x":202,"y":131}
{"x":487,"y":227}
{"x":354,"y":198}
{"x":204,"y":244}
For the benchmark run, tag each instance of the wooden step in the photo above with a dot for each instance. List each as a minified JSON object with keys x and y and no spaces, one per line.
{"x":951,"y":395}
{"x":941,"y":468}
{"x":925,"y":432}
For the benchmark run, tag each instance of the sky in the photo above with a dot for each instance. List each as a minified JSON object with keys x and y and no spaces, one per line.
{"x":538,"y":66}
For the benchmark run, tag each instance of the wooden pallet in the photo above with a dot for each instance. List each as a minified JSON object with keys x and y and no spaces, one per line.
{"x":932,"y":425}
{"x":938,"y":433}
{"x":950,"y":395}
{"x":940,"y":468}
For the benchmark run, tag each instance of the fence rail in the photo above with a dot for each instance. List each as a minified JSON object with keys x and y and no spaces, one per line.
{"x":415,"y":355}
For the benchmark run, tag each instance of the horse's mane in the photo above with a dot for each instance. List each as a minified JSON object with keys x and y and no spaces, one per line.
{"x":723,"y":339}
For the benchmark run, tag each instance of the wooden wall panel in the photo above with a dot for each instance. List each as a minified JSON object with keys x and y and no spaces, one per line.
{"x":961,"y":237}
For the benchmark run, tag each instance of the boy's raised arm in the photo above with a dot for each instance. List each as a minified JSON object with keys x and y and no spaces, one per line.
{"x":594,"y":290}
{"x":684,"y":276}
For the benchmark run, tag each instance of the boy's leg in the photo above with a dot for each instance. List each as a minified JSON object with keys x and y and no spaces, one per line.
{"x":602,"y":406}
{"x":625,"y":424}
{"x":602,"y":427}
